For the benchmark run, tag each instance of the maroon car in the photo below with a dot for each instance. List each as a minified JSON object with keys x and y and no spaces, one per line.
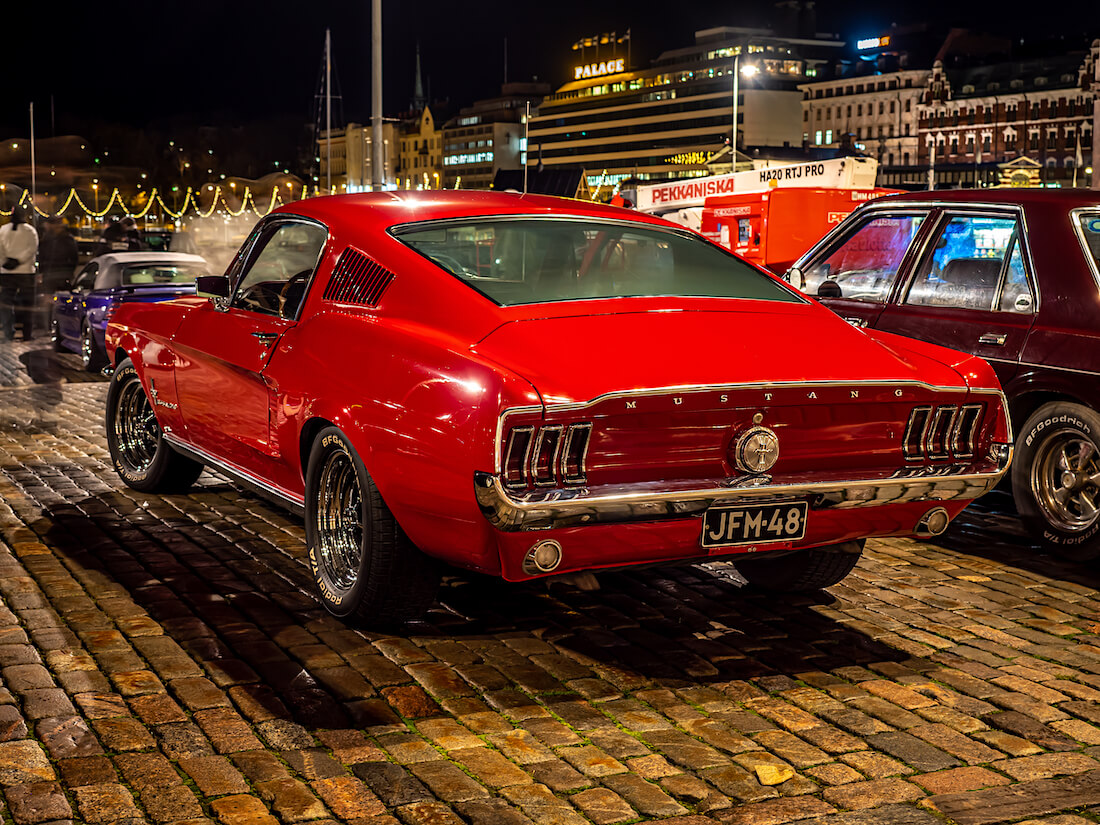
{"x":1012,"y":275}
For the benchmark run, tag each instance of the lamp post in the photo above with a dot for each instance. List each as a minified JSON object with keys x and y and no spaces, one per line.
{"x":748,"y":70}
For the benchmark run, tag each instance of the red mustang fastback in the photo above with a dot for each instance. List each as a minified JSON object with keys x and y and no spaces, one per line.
{"x":526,"y":386}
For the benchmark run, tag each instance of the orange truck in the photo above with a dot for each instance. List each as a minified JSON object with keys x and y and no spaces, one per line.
{"x":772,"y":228}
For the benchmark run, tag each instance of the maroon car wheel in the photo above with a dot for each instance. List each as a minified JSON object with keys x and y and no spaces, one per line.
{"x":1056,"y":479}
{"x":366,"y":568}
{"x":142,"y":458}
{"x":805,"y":570}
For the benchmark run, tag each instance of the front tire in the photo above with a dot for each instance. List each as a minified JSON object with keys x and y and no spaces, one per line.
{"x":93,"y":357}
{"x":1056,"y":479}
{"x":802,"y":571}
{"x":366,"y":569}
{"x":55,"y":335}
{"x":142,"y":458}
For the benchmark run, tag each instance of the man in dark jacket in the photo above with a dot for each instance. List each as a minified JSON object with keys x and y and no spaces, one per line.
{"x":57,"y":255}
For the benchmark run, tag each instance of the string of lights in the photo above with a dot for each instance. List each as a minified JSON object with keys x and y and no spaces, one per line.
{"x":191,"y":200}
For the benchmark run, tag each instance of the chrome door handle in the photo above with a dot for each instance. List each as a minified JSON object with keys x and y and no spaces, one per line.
{"x":993,"y":338}
{"x":266,"y":338}
{"x":857,"y":322}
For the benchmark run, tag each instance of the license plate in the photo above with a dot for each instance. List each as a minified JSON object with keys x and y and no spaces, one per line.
{"x":753,"y":524}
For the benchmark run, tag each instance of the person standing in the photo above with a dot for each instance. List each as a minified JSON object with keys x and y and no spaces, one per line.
{"x":57,"y":255}
{"x":18,"y":247}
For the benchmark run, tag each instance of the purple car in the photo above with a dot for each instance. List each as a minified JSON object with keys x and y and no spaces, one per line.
{"x":80,"y":313}
{"x":1011,"y":275}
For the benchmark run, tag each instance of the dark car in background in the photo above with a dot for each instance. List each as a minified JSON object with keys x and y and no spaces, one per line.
{"x":79,"y":314}
{"x":1010,"y":275}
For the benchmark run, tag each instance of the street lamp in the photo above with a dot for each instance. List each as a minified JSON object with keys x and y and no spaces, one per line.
{"x":749,"y":70}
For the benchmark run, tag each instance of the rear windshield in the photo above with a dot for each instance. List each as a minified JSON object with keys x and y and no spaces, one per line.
{"x":151,"y":273}
{"x":1090,"y":234}
{"x":531,"y":261}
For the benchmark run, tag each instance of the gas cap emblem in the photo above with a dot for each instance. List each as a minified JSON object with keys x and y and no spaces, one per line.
{"x":756,"y":450}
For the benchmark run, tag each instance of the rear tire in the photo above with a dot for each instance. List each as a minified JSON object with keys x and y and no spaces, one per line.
{"x":366,"y":569}
{"x":93,"y":357}
{"x":803,"y":571}
{"x":142,"y":458}
{"x":1056,"y":479}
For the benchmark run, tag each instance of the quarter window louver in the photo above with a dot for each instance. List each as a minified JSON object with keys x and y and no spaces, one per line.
{"x":357,"y":279}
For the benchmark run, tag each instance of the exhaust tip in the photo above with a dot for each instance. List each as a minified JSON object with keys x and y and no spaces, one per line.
{"x":932,"y":523}
{"x":543,"y":557}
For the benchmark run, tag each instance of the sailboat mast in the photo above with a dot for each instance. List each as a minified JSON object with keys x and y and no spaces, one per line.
{"x":328,"y":111}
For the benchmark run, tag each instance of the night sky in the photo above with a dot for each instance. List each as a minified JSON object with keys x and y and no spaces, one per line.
{"x":235,"y":61}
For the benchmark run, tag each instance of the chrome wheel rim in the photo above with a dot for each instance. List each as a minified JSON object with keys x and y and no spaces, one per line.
{"x":136,"y":430}
{"x":1065,"y":479}
{"x":86,"y":345}
{"x":339,"y":521}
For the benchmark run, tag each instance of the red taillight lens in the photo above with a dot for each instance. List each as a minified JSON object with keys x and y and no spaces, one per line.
{"x":517,"y":456}
{"x":573,"y":468}
{"x":545,"y":462}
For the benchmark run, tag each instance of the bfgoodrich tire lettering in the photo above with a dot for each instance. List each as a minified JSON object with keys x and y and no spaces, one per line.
{"x":142,"y":458}
{"x":366,"y":569}
{"x":1056,"y":479}
{"x":806,"y":570}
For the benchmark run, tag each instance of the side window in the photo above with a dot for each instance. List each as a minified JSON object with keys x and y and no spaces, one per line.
{"x":1016,"y":296}
{"x":966,"y":262}
{"x":865,"y":264}
{"x":274,"y":279}
{"x":86,"y":278}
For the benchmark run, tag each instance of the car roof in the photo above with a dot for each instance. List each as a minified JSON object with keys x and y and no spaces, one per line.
{"x":381,"y":210}
{"x":122,"y":258}
{"x":1065,"y":199}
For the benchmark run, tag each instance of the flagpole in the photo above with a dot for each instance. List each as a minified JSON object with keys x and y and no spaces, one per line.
{"x":1077,"y":158}
{"x":527,"y":150}
{"x":34,"y":188}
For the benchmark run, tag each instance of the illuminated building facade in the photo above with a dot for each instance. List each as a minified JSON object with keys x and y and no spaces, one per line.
{"x":488,"y":136}
{"x":1042,"y":108}
{"x":421,"y":153}
{"x":667,"y":121}
{"x":876,"y":115}
{"x":352,"y":158}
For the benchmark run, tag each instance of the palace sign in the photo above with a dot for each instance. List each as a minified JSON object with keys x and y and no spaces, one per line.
{"x":599,"y":69}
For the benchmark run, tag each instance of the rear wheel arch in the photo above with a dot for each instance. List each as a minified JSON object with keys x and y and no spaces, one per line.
{"x":1021,"y":407}
{"x":309,"y":433}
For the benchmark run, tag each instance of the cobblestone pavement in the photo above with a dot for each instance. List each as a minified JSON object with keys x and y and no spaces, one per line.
{"x":163,"y":660}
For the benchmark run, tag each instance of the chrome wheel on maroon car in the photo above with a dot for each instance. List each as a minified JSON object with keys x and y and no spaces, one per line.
{"x":1065,"y":479}
{"x":339,"y":521}
{"x":1056,"y":479}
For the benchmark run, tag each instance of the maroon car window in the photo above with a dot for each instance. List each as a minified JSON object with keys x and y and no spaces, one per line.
{"x":866,"y":263}
{"x":516,"y":261}
{"x":1090,"y":236}
{"x":965,"y":266}
{"x":1016,"y":295}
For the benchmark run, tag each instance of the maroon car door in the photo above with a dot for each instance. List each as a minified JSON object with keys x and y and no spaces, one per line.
{"x":855,"y":273}
{"x":971,"y":290}
{"x":223,"y":349}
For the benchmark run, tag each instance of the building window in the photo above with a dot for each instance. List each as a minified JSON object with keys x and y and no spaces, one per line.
{"x":849,"y":110}
{"x":987,"y":143}
{"x":881,"y":107}
{"x":828,"y":136}
{"x":908,"y":103}
{"x":817,"y":137}
{"x":969,"y":144}
{"x":905,"y":155}
{"x":892,"y":102}
{"x":859,"y":110}
{"x":954,"y":146}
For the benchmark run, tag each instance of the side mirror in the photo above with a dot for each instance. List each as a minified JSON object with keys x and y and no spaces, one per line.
{"x":796,"y":278}
{"x":212,"y":286}
{"x":829,"y":289}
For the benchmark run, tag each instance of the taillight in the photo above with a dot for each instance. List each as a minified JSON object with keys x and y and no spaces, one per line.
{"x":545,"y":462}
{"x":546,"y":457}
{"x":947,"y":431}
{"x":517,"y":456}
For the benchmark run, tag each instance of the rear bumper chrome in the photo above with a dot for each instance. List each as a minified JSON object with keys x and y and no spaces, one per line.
{"x":547,"y":509}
